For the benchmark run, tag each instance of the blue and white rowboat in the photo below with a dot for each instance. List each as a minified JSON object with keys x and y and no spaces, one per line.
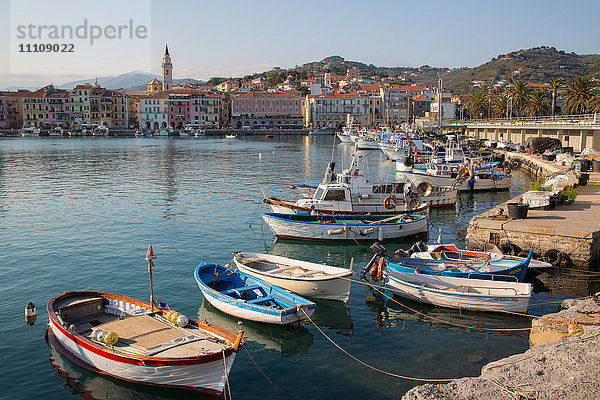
{"x":461,"y":269}
{"x":247,"y":297}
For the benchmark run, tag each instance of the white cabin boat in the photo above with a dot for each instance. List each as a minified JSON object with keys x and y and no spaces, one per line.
{"x":30,"y":131}
{"x":302,"y":277}
{"x":349,"y":192}
{"x":461,"y":293}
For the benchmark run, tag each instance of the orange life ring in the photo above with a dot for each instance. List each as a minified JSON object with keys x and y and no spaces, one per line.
{"x":389,"y":203}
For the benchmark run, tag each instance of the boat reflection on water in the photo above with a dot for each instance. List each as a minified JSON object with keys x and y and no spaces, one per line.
{"x":285,"y":341}
{"x":91,"y":386}
{"x":333,"y":315}
{"x":392,"y":314}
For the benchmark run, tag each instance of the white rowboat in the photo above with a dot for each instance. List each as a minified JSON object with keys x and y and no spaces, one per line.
{"x":462,"y":293}
{"x":301,"y":277}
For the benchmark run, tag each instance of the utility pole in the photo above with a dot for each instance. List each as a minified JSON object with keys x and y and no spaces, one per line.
{"x":440,"y":91}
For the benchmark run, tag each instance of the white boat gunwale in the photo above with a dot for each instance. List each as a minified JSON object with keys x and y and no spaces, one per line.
{"x":343,"y":273}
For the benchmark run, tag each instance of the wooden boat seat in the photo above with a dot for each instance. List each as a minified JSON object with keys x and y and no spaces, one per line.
{"x":260,"y":300}
{"x":240,"y":290}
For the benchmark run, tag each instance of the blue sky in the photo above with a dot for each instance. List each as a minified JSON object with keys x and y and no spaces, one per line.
{"x":234,"y":38}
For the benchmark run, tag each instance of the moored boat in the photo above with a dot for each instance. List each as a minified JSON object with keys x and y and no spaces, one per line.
{"x":359,"y":228}
{"x":302,"y":277}
{"x":462,"y":293}
{"x":462,"y":269}
{"x":452,"y":253}
{"x":134,"y":341}
{"x":244,"y":296}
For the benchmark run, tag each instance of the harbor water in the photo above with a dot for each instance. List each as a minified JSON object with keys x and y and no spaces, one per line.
{"x":79,"y":214}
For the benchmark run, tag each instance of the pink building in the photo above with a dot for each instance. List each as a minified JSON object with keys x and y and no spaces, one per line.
{"x":7,"y":111}
{"x":197,"y":110}
{"x":57,"y":109}
{"x":179,"y":108}
{"x":266,"y":110}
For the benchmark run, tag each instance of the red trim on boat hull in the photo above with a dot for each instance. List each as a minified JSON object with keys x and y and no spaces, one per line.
{"x":82,"y":364}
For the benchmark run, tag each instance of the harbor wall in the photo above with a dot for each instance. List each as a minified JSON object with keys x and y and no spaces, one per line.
{"x":563,"y":363}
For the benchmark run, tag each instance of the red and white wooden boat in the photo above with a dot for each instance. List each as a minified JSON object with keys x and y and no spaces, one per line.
{"x":128,"y":339}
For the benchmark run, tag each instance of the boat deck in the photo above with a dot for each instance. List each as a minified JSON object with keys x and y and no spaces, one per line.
{"x":148,"y":334}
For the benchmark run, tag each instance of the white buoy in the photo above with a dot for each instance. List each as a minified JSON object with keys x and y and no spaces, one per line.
{"x":30,"y":310}
{"x":259,"y":155}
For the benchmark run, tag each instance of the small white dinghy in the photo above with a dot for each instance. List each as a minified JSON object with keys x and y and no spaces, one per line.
{"x":462,"y":293}
{"x":301,"y":277}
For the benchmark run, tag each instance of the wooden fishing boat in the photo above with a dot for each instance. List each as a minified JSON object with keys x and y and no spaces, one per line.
{"x":247,"y":297}
{"x":452,"y":253}
{"x":301,"y":277}
{"x":361,"y":228}
{"x":132,"y":340}
{"x":461,"y":269}
{"x":462,"y":293}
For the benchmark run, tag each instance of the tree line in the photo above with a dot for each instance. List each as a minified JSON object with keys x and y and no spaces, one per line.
{"x":581,"y":95}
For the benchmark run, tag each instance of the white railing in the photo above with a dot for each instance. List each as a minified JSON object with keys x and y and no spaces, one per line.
{"x":574,"y":121}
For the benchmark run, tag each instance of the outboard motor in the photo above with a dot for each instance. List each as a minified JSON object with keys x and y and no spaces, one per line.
{"x":379,"y":251}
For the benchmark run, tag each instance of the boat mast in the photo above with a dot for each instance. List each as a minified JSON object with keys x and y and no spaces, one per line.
{"x":149,"y":257}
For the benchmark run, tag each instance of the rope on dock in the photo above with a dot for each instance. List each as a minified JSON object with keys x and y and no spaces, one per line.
{"x":411,"y":378}
{"x":266,"y":377}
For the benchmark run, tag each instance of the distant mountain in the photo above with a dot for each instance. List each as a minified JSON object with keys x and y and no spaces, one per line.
{"x":536,"y":65}
{"x":125,"y":81}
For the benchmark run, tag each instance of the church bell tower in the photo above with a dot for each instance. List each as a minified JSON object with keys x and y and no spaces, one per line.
{"x":167,"y":71}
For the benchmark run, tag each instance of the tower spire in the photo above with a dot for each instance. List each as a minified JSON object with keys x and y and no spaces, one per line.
{"x":166,"y":49}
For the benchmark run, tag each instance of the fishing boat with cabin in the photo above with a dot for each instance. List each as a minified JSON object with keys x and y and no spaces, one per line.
{"x":244,"y":296}
{"x":301,"y":277}
{"x":140,"y":342}
{"x":349,"y":192}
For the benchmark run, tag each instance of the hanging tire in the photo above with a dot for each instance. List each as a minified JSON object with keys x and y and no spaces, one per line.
{"x":510,"y":249}
{"x":409,"y":162}
{"x":515,"y":163}
{"x":552,"y":256}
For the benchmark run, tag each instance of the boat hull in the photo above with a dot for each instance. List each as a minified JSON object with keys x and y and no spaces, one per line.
{"x":285,"y":228}
{"x":336,"y":287}
{"x":491,"y":296}
{"x":242,"y":309}
{"x":206,"y":375}
{"x":501,"y":183}
{"x":366,"y":207}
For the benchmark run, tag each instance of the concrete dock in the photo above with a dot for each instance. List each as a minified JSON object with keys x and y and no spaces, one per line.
{"x":573,"y":230}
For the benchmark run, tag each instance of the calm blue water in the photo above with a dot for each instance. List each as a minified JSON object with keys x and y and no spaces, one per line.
{"x":79,"y":214}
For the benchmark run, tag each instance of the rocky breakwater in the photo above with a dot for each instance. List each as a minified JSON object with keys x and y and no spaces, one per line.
{"x":562,"y":364}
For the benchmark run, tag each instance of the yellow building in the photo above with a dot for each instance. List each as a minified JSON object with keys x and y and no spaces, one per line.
{"x":79,"y":99}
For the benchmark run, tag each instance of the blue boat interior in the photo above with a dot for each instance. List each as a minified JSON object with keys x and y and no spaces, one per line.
{"x":230,"y":283}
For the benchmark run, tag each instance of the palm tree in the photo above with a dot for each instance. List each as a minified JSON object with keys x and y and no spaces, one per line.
{"x":519,"y":92}
{"x":594,"y":103}
{"x":578,"y":94}
{"x":500,"y":107}
{"x":555,"y":83}
{"x":477,"y":106}
{"x":538,"y":104}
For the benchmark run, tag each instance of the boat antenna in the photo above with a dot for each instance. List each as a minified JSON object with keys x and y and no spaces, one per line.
{"x":149,"y":257}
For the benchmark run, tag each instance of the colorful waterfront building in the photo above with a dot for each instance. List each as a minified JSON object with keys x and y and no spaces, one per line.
{"x":154,"y":111}
{"x":30,"y":107}
{"x":57,"y":108}
{"x":179,"y":108}
{"x":7,"y":111}
{"x":79,"y":100}
{"x":212,"y":115}
{"x":330,"y":109}
{"x":266,"y":110}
